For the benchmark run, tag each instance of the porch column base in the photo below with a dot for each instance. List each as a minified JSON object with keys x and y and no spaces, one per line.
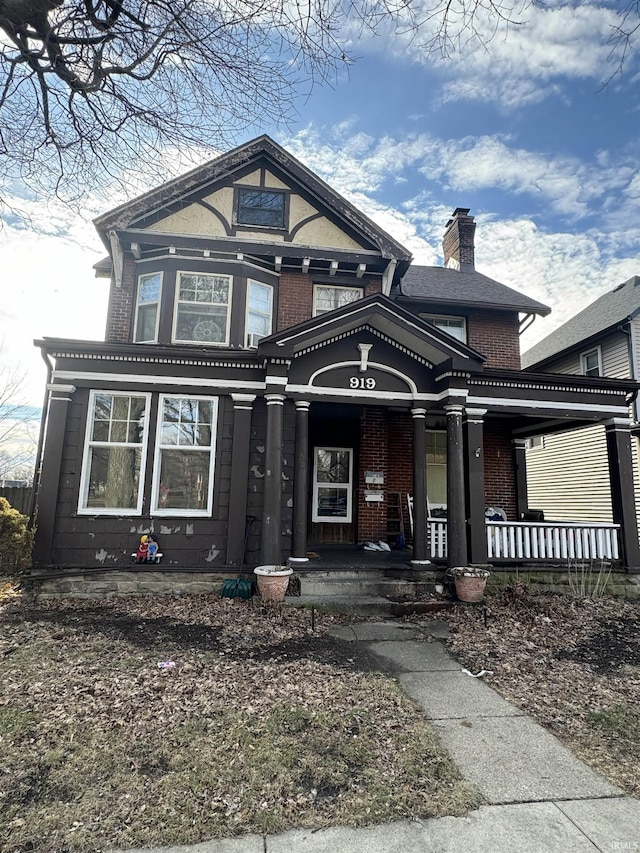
{"x":298,"y":560}
{"x":420,"y":562}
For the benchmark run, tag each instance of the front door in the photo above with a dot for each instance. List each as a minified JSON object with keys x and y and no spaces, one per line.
{"x":333,"y":462}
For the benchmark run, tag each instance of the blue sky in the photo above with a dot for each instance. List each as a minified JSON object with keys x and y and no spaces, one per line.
{"x":521,"y":132}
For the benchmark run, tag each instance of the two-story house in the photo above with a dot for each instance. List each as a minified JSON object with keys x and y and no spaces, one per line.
{"x":272,"y":353}
{"x":567,"y":473}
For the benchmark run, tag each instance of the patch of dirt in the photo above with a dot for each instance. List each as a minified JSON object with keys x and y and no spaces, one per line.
{"x":573,"y":664}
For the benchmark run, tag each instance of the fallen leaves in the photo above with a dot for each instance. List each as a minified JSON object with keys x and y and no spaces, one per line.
{"x":261,"y":725}
{"x":573,"y":664}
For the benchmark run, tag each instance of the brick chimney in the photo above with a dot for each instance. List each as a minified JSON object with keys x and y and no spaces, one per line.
{"x":457,"y":244}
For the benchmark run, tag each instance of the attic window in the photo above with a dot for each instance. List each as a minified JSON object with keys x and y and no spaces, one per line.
{"x":260,"y":207}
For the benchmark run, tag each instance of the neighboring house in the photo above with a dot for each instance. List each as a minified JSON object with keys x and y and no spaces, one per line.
{"x":567,"y":473}
{"x":271,"y":352}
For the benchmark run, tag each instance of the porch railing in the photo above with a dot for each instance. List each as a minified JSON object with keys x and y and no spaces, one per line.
{"x":559,"y":540}
{"x":545,"y":541}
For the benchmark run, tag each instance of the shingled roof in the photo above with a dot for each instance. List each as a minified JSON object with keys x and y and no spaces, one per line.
{"x":470,"y":288}
{"x":610,"y":310}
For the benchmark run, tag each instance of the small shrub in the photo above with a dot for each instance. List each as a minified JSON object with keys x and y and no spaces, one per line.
{"x":16,"y":538}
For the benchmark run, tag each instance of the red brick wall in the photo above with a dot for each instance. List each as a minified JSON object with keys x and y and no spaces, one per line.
{"x":495,"y":335}
{"x":499,"y":468}
{"x":295,"y":299}
{"x":372,"y":517}
{"x":400,"y":456}
{"x":121,"y":300}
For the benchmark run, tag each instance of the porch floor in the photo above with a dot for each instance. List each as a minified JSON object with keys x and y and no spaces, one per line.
{"x":339,"y":558}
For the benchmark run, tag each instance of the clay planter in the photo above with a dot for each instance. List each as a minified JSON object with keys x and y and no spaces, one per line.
{"x":272,"y":582}
{"x":470,"y":583}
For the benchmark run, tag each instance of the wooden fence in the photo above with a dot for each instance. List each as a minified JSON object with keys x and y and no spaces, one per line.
{"x":19,"y":497}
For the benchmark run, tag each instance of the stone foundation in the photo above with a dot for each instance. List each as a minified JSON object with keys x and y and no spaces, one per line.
{"x":116,"y":583}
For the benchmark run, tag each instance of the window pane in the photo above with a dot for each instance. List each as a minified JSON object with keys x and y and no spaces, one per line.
{"x":146,"y":323}
{"x":329,"y":298}
{"x":184,"y":479}
{"x":205,"y":325}
{"x":259,"y":297}
{"x":113,"y":478}
{"x":332,"y":502}
{"x":149,"y":288}
{"x":261,"y":207}
{"x":118,"y":418}
{"x":332,"y":466}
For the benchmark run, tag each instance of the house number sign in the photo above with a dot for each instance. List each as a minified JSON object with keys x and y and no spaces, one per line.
{"x":367,"y":383}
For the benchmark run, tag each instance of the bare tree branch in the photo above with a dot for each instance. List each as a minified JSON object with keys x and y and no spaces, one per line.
{"x":89,"y":86}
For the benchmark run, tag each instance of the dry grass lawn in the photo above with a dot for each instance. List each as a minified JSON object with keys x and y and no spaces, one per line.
{"x":260,"y":725}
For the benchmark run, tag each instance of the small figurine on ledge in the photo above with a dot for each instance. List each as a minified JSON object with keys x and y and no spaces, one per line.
{"x":152,"y":549}
{"x":147,"y":551}
{"x":143,"y":550}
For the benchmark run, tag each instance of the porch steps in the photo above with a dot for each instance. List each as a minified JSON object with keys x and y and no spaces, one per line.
{"x":368,"y":591}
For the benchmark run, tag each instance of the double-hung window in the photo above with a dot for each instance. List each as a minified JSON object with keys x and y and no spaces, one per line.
{"x":591,"y":362}
{"x":114,"y":455}
{"x":327,"y":297}
{"x":147,"y":304}
{"x":185,"y":455}
{"x":259,"y":311}
{"x":203,"y":303}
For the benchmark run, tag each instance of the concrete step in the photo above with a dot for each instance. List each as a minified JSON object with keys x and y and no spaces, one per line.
{"x":311,"y":584}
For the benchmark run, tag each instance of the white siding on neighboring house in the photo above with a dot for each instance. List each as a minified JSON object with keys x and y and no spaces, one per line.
{"x":569,"y":364}
{"x":635,"y":347}
{"x":615,"y":356}
{"x":568,"y":478}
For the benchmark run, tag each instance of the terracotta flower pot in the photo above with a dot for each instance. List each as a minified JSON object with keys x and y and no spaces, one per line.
{"x":272,"y":582}
{"x":470,"y":583}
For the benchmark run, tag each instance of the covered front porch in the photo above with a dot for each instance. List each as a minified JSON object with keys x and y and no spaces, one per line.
{"x":375,"y":360}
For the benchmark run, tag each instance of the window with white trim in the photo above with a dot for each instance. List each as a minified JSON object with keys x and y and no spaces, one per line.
{"x":202,"y":309}
{"x":185,"y":456}
{"x":436,"y":471}
{"x":454,"y":326}
{"x":332,"y":485}
{"x":147,"y":305}
{"x":114,"y":454}
{"x":328,"y":297}
{"x":591,"y":362}
{"x":259,"y":311}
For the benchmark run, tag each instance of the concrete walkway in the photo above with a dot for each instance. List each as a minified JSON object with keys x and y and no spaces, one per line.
{"x":540,"y":797}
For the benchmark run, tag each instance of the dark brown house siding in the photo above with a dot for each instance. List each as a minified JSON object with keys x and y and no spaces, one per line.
{"x":95,"y":540}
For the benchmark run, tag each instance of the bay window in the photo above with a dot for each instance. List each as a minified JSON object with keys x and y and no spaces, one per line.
{"x":259,"y":311}
{"x":203,"y":303}
{"x":147,"y":304}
